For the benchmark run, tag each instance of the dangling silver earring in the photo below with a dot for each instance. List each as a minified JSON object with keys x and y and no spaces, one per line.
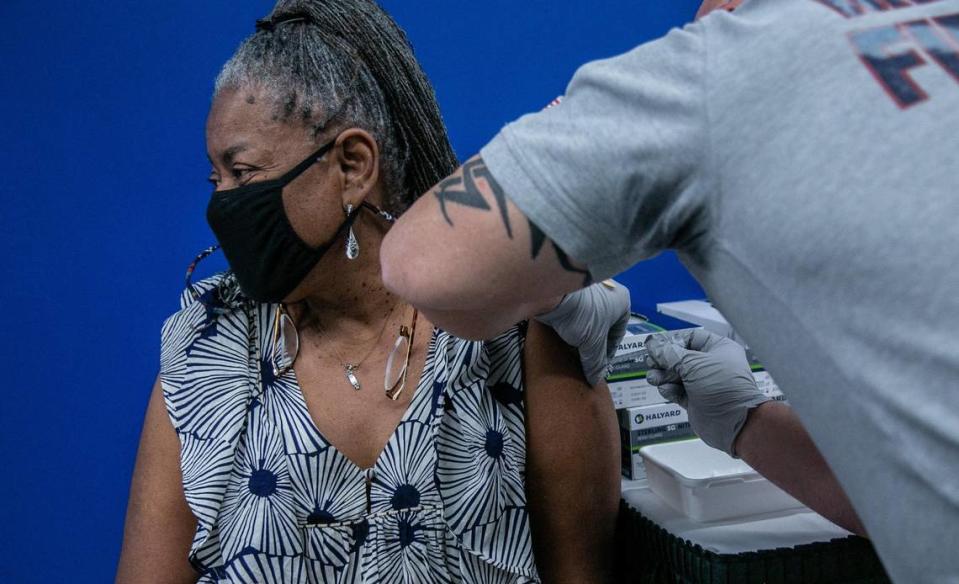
{"x":352,"y":245}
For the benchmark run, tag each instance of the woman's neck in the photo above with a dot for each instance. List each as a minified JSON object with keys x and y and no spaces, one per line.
{"x":348,"y":295}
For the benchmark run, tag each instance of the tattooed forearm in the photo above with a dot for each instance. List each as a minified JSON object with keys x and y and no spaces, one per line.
{"x":464,"y":191}
{"x":538,"y":238}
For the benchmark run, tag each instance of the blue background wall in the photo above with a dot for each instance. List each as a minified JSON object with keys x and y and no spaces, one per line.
{"x":102,"y":184}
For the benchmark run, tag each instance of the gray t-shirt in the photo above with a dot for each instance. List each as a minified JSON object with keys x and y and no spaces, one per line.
{"x":803,"y":157}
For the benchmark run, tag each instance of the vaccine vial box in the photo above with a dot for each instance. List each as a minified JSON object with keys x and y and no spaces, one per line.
{"x":627,"y":374}
{"x":646,"y":425}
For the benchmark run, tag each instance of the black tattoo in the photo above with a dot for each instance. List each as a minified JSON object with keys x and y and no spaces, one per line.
{"x":538,"y":238}
{"x":462,"y":190}
{"x":451,"y":191}
{"x":479,"y":170}
{"x":569,"y":267}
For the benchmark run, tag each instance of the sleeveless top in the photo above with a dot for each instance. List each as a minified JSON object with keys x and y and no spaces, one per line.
{"x":276,"y":502}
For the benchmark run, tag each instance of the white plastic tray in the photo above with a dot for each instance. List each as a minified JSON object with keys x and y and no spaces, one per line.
{"x":707,"y":485}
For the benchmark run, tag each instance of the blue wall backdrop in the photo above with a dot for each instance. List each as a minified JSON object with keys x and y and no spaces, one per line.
{"x":102,"y":184}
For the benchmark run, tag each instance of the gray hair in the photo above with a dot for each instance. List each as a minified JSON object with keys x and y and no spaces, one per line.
{"x":346,"y":63}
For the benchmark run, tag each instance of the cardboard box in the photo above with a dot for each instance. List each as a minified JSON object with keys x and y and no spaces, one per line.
{"x":645,"y":425}
{"x":627,"y":375}
{"x":631,"y":393}
{"x":767,"y":385}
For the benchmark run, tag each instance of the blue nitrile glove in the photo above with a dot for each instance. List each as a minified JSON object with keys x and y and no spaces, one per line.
{"x":709,"y":376}
{"x":594,"y":321}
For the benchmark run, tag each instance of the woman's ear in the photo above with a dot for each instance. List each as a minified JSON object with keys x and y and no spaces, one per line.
{"x":358,"y":157}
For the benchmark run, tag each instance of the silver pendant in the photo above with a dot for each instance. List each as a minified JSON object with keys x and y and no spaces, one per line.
{"x":351,"y":377}
{"x":352,"y":246}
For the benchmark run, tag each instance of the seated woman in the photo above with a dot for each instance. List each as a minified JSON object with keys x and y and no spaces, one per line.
{"x":307,"y":426}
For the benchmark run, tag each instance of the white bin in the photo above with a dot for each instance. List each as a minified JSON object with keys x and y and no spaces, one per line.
{"x":708,"y":485}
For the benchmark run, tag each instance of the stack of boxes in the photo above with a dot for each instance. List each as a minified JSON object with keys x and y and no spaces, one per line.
{"x":644,"y":425}
{"x":644,"y":415}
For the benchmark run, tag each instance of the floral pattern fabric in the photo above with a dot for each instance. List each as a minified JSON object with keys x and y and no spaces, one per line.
{"x":276,"y":502}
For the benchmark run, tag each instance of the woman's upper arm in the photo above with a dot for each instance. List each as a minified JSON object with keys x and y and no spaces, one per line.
{"x":573,"y":468}
{"x":159,"y":525}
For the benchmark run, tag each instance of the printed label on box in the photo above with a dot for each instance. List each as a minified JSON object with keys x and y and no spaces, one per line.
{"x":642,"y":426}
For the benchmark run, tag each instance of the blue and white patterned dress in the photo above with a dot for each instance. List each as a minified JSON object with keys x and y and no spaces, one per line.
{"x":276,"y":502}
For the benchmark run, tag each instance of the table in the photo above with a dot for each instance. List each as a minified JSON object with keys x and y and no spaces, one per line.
{"x":659,"y":545}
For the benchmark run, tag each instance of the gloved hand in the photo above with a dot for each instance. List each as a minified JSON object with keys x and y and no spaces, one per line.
{"x":709,"y":376}
{"x":594,"y":321}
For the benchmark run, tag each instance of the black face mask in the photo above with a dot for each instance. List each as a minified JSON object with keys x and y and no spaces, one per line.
{"x":267,"y":256}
